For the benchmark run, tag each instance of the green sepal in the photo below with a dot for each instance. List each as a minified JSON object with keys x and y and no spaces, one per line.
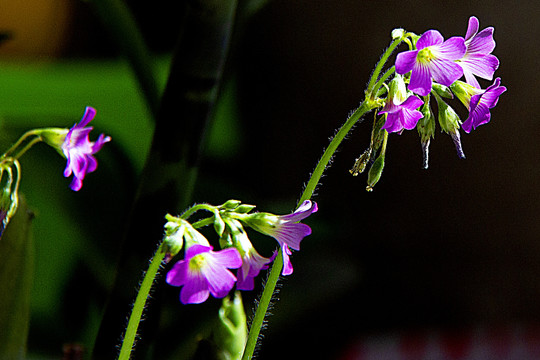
{"x":219,"y":224}
{"x":16,"y":276}
{"x":244,"y":208}
{"x":231,"y":204}
{"x":443,"y":91}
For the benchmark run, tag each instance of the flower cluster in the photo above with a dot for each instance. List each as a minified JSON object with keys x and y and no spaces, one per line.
{"x":443,"y":62}
{"x":434,"y":66}
{"x":204,"y":271}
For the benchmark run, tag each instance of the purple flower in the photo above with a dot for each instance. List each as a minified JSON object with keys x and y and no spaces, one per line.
{"x":79,"y":150}
{"x":402,"y":115}
{"x":434,"y":59}
{"x":204,"y":272}
{"x":286,"y":229}
{"x":480,"y":104}
{"x":478,"y":59}
{"x":252,"y":262}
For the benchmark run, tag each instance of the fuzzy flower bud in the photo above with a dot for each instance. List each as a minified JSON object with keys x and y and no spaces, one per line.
{"x":426,"y":130}
{"x":450,"y":124}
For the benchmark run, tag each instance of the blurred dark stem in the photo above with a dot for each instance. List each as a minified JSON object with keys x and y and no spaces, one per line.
{"x":170,"y":171}
{"x":118,"y":20}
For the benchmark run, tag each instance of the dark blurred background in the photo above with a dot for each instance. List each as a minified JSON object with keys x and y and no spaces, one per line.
{"x":451,"y":248}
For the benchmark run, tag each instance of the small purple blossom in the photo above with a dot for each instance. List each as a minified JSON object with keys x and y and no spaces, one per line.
{"x":204,"y":272}
{"x":478,"y":59}
{"x":480,"y":104}
{"x":252,"y":262}
{"x":402,"y":115}
{"x":79,"y":150}
{"x":286,"y":229}
{"x":434,"y":59}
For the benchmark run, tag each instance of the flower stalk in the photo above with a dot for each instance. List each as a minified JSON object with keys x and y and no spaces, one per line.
{"x":367,"y":105}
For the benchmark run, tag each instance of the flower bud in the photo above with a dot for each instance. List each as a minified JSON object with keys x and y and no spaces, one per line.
{"x":426,"y":130}
{"x":450,"y":124}
{"x":375,"y":172}
{"x":442,"y":91}
{"x":244,"y":208}
{"x":398,"y":33}
{"x":398,"y":90}
{"x":174,"y":238}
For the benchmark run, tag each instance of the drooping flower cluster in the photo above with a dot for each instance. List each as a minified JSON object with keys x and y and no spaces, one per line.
{"x":434,"y":66}
{"x":445,"y":62}
{"x":204,"y":271}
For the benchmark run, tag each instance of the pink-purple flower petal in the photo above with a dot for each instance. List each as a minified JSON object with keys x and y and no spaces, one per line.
{"x":79,"y":150}
{"x":402,"y":116}
{"x":429,"y":38}
{"x":477,"y":60}
{"x":480,"y":105}
{"x":204,"y":272}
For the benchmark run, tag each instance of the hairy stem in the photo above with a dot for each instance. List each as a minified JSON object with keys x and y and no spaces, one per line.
{"x":139,"y":305}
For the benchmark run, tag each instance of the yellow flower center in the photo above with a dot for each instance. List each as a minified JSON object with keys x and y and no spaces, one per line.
{"x":197,"y":262}
{"x":425,"y":55}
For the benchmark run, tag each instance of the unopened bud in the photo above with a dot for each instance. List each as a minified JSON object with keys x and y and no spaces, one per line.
{"x":375,"y":172}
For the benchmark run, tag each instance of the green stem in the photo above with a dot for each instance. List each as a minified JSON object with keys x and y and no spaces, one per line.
{"x":382,"y":61}
{"x":367,"y":105}
{"x":139,"y":305}
{"x":23,"y":138}
{"x":273,"y":277}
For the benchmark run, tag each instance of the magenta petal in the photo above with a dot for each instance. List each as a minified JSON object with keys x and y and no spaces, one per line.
{"x":76,"y":184}
{"x":292,"y":234}
{"x":445,"y":72}
{"x":178,"y":273}
{"x":429,"y":38}
{"x":304,"y":210}
{"x":420,"y":82}
{"x":89,"y":114}
{"x":482,"y":43}
{"x":287,"y":265}
{"x":405,"y":61}
{"x":412,"y":103}
{"x":195,"y":291}
{"x":220,"y":281}
{"x":410,"y":118}
{"x":452,"y":49}
{"x":483,"y":66}
{"x":472,"y":29}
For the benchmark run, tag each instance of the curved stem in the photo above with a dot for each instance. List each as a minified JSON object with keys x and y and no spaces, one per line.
{"x":273,"y":277}
{"x":27,"y":147}
{"x":380,"y":65}
{"x":367,"y":105}
{"x":139,"y":305}
{"x":25,"y":136}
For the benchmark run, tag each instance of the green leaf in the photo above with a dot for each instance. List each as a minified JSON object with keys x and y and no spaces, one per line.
{"x":16,"y":273}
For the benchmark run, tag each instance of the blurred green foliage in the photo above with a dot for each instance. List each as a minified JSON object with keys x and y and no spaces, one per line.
{"x":77,"y":233}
